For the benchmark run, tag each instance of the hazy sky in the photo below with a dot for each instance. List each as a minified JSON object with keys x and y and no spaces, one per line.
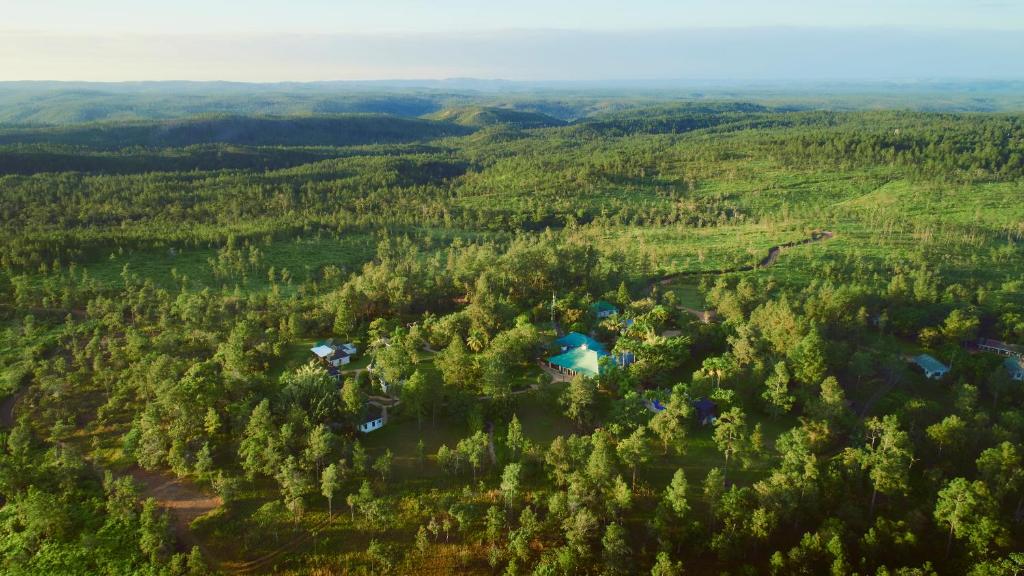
{"x":527,"y":39}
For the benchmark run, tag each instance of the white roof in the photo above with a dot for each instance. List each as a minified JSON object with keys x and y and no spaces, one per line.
{"x":322,"y":351}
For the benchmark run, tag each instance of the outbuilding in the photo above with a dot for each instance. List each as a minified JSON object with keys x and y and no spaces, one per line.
{"x":932,"y":367}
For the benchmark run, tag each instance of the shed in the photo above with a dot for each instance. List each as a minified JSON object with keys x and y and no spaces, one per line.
{"x":933,"y":368}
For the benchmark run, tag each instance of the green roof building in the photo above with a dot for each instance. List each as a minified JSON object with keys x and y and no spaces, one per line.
{"x":577,"y":340}
{"x":580,"y":360}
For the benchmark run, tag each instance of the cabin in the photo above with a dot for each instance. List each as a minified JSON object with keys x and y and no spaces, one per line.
{"x":932,"y":368}
{"x":375,"y":419}
{"x":1015,"y":368}
{"x":999,"y":347}
{"x":603,"y":309}
{"x":334,"y":355}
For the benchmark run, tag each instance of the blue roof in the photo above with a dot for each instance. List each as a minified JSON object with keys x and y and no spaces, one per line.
{"x":577,"y":340}
{"x":704,"y":406}
{"x":930,"y":364}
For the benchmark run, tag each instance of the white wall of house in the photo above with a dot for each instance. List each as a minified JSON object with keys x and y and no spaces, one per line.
{"x":371,"y":425}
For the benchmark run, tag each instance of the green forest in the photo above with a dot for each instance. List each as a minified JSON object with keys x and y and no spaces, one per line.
{"x":551,"y":333}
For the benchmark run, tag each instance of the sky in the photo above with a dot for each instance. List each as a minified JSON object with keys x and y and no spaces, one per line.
{"x":307,"y":40}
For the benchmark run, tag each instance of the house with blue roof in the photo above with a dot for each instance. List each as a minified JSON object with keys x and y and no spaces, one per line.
{"x":932,"y":367}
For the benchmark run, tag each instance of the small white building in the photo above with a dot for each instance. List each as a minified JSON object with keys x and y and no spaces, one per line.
{"x":376,"y":418}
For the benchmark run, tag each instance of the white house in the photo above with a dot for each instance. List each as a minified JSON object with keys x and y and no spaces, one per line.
{"x":334,"y":355}
{"x":375,"y":419}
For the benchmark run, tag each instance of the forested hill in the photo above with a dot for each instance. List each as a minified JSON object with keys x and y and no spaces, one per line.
{"x":331,"y":130}
{"x":163,"y":285}
{"x":481,"y":116}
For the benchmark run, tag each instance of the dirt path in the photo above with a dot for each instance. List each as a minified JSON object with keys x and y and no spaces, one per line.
{"x":708,"y":316}
{"x":183,"y":499}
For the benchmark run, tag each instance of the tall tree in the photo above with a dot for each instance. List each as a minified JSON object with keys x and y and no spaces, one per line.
{"x":887,"y":456}
{"x":970,"y":512}
{"x":633,"y":451}
{"x":330,"y":481}
{"x":730,"y":435}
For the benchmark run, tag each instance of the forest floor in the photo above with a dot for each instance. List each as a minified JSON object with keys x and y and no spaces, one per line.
{"x":184,"y":500}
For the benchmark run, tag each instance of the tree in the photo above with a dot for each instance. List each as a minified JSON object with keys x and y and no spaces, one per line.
{"x":414,"y":396}
{"x":474,"y":450}
{"x":615,"y":550}
{"x":154,"y":531}
{"x":670,"y":424}
{"x":580,"y":530}
{"x":776,"y":391}
{"x":970,"y":512}
{"x":887,"y":456}
{"x":422,"y":541}
{"x":383,"y":465}
{"x":620,"y":497}
{"x":329,"y":484}
{"x":211,"y":422}
{"x":1002,"y":469}
{"x":352,"y":398}
{"x":831,"y":403}
{"x":380,"y":556}
{"x":579,"y":398}
{"x":255,"y":448}
{"x":999,"y":383}
{"x":395,"y":361}
{"x":456,"y":365}
{"x":293,"y":487}
{"x":494,"y":524}
{"x":318,"y":446}
{"x":808,"y":359}
{"x":514,"y":440}
{"x":675,"y":495}
{"x":360,"y":460}
{"x":510,"y":484}
{"x":951,"y":432}
{"x":960,"y":326}
{"x":730,"y":435}
{"x":663,"y":566}
{"x":633,"y":451}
